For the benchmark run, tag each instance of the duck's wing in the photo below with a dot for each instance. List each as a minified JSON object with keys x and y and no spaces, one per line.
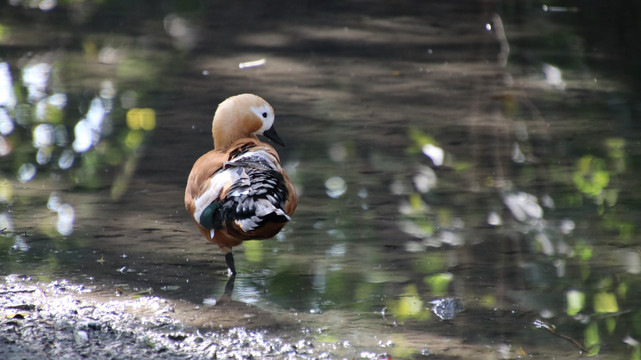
{"x":265,"y":159}
{"x":200,"y":177}
{"x":251,"y":193}
{"x":242,"y":194}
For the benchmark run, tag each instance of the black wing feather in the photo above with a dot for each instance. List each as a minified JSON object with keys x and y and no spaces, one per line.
{"x":260,"y":181}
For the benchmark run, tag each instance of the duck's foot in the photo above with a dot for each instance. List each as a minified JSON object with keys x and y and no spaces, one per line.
{"x":229,"y":258}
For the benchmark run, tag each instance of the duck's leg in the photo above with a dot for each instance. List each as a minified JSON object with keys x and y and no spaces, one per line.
{"x":229,"y":286}
{"x":229,"y":258}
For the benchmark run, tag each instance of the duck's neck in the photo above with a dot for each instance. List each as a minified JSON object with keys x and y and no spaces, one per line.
{"x":225,"y":136}
{"x":224,"y":143}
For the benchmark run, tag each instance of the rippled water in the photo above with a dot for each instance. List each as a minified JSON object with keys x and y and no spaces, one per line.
{"x":464,"y":170}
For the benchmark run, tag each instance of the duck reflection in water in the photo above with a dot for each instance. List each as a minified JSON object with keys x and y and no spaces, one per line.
{"x":239,"y":191}
{"x":225,"y":297}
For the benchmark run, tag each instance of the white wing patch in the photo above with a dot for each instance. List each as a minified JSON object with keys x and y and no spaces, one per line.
{"x":212,"y":193}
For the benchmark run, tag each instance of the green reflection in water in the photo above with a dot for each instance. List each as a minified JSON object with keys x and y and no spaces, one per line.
{"x":70,"y":122}
{"x":409,"y":305}
{"x":596,"y":297}
{"x":606,"y":292}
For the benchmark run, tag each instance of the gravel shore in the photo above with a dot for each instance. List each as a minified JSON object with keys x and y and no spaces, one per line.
{"x":59,"y":320}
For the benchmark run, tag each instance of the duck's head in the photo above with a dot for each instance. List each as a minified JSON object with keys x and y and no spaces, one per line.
{"x":243,"y":116}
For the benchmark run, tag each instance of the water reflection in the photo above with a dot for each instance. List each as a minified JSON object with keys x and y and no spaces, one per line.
{"x":543,"y":233}
{"x":510,"y":196}
{"x":553,"y":76}
{"x":35,"y":77}
{"x":335,"y":186}
{"x":7,"y":94}
{"x":181,"y":30}
{"x":65,"y":144}
{"x":88,"y":130}
{"x":44,"y":5}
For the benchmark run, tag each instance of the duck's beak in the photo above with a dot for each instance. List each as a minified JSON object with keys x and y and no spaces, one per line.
{"x":271,"y":135}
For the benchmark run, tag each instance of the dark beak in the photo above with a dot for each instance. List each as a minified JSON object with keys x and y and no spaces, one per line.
{"x":271,"y":135}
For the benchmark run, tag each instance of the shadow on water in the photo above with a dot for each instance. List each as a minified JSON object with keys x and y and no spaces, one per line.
{"x":464,"y":175}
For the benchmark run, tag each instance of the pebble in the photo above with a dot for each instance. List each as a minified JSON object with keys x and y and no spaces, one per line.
{"x":53,"y":321}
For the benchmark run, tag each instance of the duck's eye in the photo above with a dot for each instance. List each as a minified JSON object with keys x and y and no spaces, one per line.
{"x":264,"y":115}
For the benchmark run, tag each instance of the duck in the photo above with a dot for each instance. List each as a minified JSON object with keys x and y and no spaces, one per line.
{"x":239,"y":191}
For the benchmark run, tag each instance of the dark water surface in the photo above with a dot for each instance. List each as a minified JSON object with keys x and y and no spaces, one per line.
{"x":465,"y":170}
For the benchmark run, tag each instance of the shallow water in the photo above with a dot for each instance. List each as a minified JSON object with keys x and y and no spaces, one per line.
{"x":483,"y":152}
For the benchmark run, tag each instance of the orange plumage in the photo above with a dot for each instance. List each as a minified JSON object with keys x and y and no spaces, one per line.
{"x":239,"y":191}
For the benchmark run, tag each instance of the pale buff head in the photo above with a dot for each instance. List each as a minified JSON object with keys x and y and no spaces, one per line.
{"x":243,"y":116}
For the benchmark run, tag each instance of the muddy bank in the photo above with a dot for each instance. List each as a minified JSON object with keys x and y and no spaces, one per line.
{"x":60,"y":320}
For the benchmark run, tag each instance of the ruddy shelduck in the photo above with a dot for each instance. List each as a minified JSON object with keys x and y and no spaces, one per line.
{"x":239,"y":191}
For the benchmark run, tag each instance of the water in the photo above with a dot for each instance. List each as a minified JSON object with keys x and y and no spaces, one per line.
{"x":440,"y":152}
